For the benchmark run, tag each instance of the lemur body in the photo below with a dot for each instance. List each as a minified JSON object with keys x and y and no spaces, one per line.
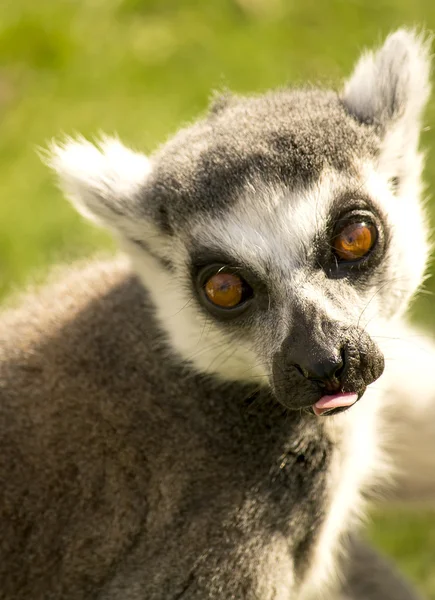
{"x":161,"y":416}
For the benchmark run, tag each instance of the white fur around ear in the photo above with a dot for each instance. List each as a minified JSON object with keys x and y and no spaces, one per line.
{"x":101,"y":180}
{"x":392,"y":83}
{"x":389,"y":89}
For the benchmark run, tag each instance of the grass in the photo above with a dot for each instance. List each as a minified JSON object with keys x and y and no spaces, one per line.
{"x":410,"y":539}
{"x":141,"y":68}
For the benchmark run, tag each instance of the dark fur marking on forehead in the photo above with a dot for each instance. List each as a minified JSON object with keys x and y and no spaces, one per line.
{"x":285,"y":137}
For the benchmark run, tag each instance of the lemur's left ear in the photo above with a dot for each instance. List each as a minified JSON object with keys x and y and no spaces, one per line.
{"x":389,"y":88}
{"x":103,"y":181}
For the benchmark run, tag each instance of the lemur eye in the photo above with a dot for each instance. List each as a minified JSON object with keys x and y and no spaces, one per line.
{"x":354,"y":240}
{"x":224,"y":290}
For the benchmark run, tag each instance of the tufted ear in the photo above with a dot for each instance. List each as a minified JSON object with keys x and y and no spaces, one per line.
{"x":389,"y":89}
{"x":103,"y":181}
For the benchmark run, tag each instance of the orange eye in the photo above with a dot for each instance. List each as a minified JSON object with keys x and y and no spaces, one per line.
{"x":224,"y":290}
{"x":355,"y":240}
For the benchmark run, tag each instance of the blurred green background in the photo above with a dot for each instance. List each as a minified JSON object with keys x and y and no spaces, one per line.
{"x":141,"y":68}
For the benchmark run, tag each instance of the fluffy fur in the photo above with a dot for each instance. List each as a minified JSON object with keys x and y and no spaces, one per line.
{"x":153,"y":450}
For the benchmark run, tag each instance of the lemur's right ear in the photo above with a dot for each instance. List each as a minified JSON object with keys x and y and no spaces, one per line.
{"x":389,"y":88}
{"x":103,"y":181}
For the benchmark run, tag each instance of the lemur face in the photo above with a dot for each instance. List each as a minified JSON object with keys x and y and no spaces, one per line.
{"x":277,"y":234}
{"x":295,"y":280}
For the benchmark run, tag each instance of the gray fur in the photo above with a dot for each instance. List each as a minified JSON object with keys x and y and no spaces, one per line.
{"x":184,"y":494}
{"x":155,"y":448}
{"x":286,"y":137}
{"x":157,"y":485}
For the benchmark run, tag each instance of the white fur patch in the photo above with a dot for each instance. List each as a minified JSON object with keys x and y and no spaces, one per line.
{"x":409,"y":246}
{"x":270,"y":227}
{"x":196,"y":338}
{"x":97,"y":178}
{"x":357,"y":461}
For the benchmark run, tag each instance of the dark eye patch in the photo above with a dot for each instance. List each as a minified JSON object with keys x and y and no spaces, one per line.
{"x":355,"y":239}
{"x":219,"y":280}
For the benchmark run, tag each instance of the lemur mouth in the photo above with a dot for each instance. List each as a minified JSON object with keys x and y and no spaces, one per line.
{"x":330,"y":402}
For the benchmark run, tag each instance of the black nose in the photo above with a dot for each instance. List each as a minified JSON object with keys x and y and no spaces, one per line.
{"x":321,"y":356}
{"x":326,"y":370}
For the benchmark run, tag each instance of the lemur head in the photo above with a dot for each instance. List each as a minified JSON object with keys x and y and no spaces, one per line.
{"x":276,"y":234}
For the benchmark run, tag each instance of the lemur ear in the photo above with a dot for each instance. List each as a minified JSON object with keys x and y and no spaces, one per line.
{"x":102,"y":181}
{"x":392,"y":83}
{"x":389,"y":88}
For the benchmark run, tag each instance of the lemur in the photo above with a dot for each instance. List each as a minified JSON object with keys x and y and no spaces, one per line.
{"x":205,"y":416}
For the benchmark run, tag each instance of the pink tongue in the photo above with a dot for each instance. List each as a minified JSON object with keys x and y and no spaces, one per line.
{"x":334,"y":401}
